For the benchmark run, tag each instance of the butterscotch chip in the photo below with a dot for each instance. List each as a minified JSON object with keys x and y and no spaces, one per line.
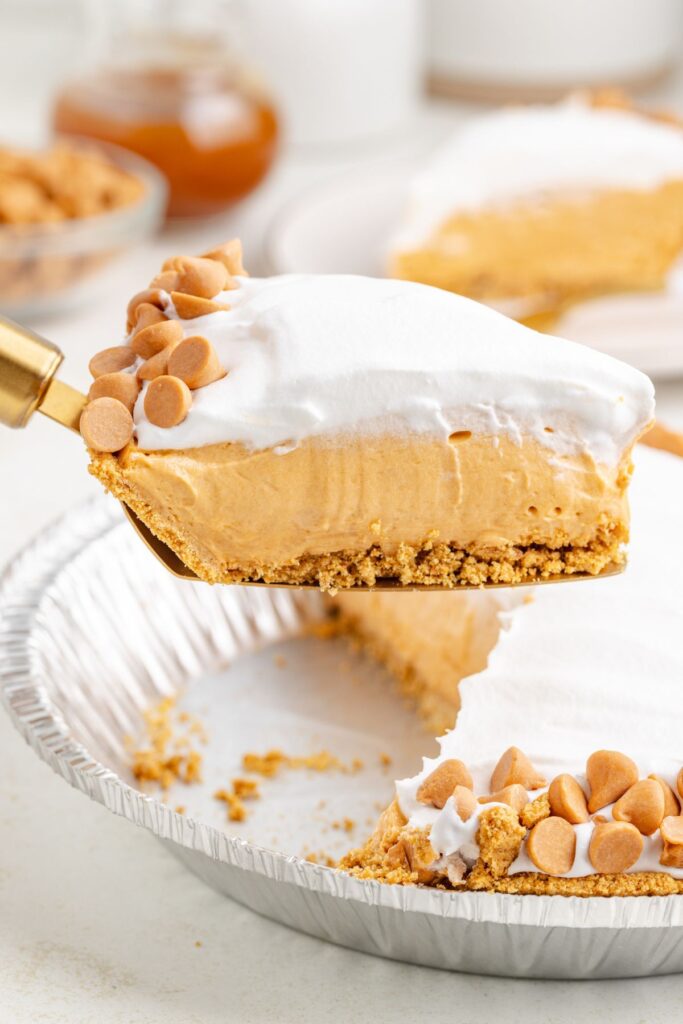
{"x":190,"y":306}
{"x":465,"y":802}
{"x":672,"y":838}
{"x":147,"y":314}
{"x":198,"y":276}
{"x":671,"y":804}
{"x":642,"y":805}
{"x":106,"y":425}
{"x":167,"y":401}
{"x":672,"y":830}
{"x":150,"y":296}
{"x":679,"y":783}
{"x":111,"y":360}
{"x":150,"y":340}
{"x":614,"y":847}
{"x":124,"y":387}
{"x":515,"y":768}
{"x":514,"y":796}
{"x":440,"y":784}
{"x":568,"y":800}
{"x":157,"y":365}
{"x":230,"y":255}
{"x":195,"y":361}
{"x":167,"y":280}
{"x":609,"y":775}
{"x":551,"y":846}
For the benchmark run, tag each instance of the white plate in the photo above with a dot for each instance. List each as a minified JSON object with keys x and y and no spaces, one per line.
{"x":343,"y":226}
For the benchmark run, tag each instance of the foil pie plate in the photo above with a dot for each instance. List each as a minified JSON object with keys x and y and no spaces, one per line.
{"x":93,"y":630}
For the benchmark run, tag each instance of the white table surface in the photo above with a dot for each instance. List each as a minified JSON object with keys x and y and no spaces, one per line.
{"x":97,"y":920}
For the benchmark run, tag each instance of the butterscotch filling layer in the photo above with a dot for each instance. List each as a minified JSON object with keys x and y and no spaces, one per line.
{"x":418,"y":508}
{"x":562,"y":249}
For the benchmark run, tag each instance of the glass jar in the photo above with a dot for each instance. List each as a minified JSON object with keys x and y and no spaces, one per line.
{"x":166,"y":80}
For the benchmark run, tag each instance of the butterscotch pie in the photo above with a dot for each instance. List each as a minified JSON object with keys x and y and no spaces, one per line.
{"x":560,"y":768}
{"x":569,"y":214}
{"x":337,"y":430}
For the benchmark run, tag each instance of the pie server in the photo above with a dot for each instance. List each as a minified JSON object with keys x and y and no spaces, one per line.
{"x":28,"y":383}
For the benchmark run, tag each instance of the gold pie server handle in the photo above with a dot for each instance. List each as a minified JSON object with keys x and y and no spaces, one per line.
{"x":28,"y":364}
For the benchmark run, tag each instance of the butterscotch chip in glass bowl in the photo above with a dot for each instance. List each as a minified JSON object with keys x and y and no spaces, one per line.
{"x":151,"y":340}
{"x":167,"y":401}
{"x":190,"y":306}
{"x":440,"y":784}
{"x":124,"y":387}
{"x":551,"y":846}
{"x":195,"y":362}
{"x":514,"y":796}
{"x":609,"y":774}
{"x":111,"y":360}
{"x":615,"y":847}
{"x":514,"y":767}
{"x":106,"y":425}
{"x":568,"y":800}
{"x":642,"y":805}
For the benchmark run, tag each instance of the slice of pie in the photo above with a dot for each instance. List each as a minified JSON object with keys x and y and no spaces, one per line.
{"x":563,"y":774}
{"x":337,"y":430}
{"x":535,"y":209}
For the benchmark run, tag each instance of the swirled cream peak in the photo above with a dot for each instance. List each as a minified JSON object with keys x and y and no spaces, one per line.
{"x":319,"y":355}
{"x":535,"y":151}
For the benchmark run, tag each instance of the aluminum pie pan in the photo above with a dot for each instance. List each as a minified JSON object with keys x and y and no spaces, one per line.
{"x":73,"y":691}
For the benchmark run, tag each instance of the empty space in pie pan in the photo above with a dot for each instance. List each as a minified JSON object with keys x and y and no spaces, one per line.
{"x":93,"y":631}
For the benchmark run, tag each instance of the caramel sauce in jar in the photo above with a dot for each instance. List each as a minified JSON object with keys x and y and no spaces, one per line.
{"x":211,"y":132}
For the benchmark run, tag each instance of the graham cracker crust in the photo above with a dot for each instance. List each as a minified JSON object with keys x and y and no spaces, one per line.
{"x":430,"y":564}
{"x":398,"y":855}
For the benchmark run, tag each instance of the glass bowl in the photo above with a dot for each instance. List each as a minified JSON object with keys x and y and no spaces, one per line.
{"x":51,"y":267}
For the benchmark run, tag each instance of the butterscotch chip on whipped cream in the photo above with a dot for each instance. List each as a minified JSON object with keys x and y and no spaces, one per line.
{"x":671,"y":805}
{"x":157,"y":366}
{"x":438,"y":786}
{"x":145,"y":315}
{"x":198,"y":276}
{"x":642,"y":805}
{"x":106,"y":425}
{"x":167,"y":280}
{"x":124,"y":387}
{"x":147,"y":297}
{"x":230,"y":255}
{"x":567,"y":799}
{"x":514,"y":796}
{"x":609,"y":775}
{"x":151,"y":340}
{"x":465,"y":802}
{"x":188,"y":307}
{"x":672,"y":838}
{"x":167,"y":401}
{"x":513,"y":768}
{"x":111,"y":360}
{"x":551,"y":846}
{"x":195,"y":361}
{"x":615,"y":847}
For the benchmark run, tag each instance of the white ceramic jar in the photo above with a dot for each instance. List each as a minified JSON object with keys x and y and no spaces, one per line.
{"x":536,"y":49}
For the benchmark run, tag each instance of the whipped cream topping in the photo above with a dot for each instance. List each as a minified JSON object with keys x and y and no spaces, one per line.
{"x":578,"y":669}
{"x":330,"y":355}
{"x":535,"y":151}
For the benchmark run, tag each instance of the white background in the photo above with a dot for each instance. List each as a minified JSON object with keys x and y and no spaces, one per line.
{"x":97,"y":921}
